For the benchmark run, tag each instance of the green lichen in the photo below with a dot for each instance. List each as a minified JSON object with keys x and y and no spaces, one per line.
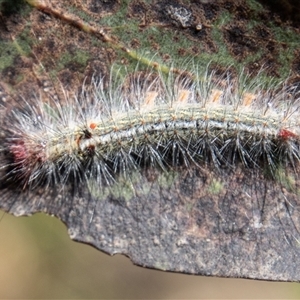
{"x":216,"y":187}
{"x":8,"y":52}
{"x":78,"y":57}
{"x":287,"y":180}
{"x":255,"y":6}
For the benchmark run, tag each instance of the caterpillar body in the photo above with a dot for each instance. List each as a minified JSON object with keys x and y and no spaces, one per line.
{"x":155,"y":122}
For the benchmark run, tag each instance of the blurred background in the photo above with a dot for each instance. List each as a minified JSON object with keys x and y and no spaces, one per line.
{"x":38,"y":260}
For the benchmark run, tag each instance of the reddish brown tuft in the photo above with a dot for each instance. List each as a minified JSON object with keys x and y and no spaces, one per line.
{"x":19,"y":152}
{"x":285,"y":134}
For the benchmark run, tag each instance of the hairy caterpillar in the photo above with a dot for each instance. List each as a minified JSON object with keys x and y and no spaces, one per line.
{"x":155,"y":120}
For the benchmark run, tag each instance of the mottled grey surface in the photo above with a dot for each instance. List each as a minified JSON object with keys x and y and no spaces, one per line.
{"x":196,"y":221}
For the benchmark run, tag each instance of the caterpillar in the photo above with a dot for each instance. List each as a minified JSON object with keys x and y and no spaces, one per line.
{"x":150,"y":120}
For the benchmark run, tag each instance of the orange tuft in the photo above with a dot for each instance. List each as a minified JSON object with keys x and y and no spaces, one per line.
{"x":248,"y":98}
{"x":150,"y":98}
{"x":215,"y":95}
{"x":183,"y":96}
{"x":93,"y":125}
